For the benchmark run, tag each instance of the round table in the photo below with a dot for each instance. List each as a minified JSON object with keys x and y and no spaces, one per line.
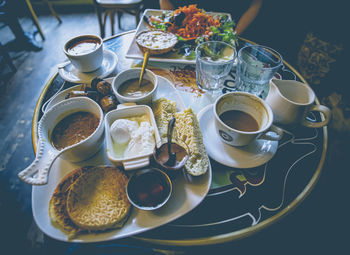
{"x":240,"y":201}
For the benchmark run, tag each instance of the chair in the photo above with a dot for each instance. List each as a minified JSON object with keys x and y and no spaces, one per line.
{"x":110,"y":7}
{"x":35,"y":18}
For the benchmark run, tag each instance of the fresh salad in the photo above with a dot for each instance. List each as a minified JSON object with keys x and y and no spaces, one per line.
{"x":193,"y":26}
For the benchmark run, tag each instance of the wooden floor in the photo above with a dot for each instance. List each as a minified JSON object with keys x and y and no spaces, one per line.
{"x":319,"y":216}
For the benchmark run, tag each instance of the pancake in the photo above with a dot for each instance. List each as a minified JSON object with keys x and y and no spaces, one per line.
{"x":97,"y":200}
{"x":57,"y":206}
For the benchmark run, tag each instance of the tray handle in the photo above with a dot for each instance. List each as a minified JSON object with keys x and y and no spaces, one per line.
{"x":41,"y":165}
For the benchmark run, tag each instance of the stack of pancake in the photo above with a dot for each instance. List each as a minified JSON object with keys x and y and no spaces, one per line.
{"x":91,"y":198}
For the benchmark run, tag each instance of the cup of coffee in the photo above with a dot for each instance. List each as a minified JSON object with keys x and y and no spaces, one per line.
{"x":241,"y":117}
{"x":85,"y":52}
{"x":292,"y":101}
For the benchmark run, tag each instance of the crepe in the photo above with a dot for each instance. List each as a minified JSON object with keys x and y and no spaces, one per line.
{"x":97,"y":200}
{"x":187,"y":128}
{"x":163,"y":110}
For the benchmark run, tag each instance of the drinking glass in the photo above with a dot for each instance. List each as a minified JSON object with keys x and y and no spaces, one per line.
{"x":214,"y":60}
{"x":255,"y":68}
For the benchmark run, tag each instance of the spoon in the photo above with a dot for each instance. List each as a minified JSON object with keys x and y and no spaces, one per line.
{"x":144,"y":64}
{"x":172,"y":156}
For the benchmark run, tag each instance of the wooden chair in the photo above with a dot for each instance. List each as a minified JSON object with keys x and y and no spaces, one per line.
{"x":110,"y":7}
{"x":35,"y":18}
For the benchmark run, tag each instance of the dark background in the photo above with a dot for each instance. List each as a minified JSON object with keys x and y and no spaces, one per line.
{"x":318,"y":226}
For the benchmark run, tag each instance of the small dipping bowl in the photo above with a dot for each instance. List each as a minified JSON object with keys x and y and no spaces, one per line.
{"x":161,"y":157}
{"x":149,"y":189}
{"x":134,"y":73}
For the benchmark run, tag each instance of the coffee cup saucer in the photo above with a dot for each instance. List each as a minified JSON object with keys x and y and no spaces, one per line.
{"x":70,"y":73}
{"x":255,"y":154}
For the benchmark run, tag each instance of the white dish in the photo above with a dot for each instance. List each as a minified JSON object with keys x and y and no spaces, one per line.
{"x":71,"y":74}
{"x":134,"y":73}
{"x":134,"y":162}
{"x":135,"y":53}
{"x":60,"y":97}
{"x":165,"y":89}
{"x":255,"y":154}
{"x":187,"y":192}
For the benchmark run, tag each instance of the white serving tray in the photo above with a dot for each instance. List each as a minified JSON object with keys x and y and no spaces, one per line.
{"x":187,"y":193}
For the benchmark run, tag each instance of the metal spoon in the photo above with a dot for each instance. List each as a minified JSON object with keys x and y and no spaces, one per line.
{"x":172,"y":156}
{"x":144,"y":64}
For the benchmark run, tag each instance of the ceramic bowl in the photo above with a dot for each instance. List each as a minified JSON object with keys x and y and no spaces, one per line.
{"x":133,"y":73}
{"x":122,"y":112}
{"x":47,"y":153}
{"x":149,"y":189}
{"x":161,"y":41}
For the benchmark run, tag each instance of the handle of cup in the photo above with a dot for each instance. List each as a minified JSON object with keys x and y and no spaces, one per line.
{"x":274,"y":133}
{"x":318,"y":108}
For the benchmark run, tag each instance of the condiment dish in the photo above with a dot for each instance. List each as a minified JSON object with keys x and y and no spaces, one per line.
{"x":161,"y":157}
{"x":149,"y":189}
{"x":47,"y":153}
{"x":130,"y":74}
{"x":156,"y":42}
{"x":115,"y":151}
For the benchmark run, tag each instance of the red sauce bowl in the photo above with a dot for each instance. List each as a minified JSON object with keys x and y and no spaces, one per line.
{"x":149,"y":189}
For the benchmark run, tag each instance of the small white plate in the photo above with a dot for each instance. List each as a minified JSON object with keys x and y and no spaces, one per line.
{"x":255,"y":154}
{"x":71,"y":74}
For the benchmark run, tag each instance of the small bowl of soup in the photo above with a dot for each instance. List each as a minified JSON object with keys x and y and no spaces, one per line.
{"x":72,"y":129}
{"x":127,"y":89}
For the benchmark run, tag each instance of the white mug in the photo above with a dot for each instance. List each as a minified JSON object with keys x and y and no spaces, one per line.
{"x":259,"y":112}
{"x":85,"y":52}
{"x":291,"y":101}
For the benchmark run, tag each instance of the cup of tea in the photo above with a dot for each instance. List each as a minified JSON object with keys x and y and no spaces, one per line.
{"x":292,"y":101}
{"x":241,"y":117}
{"x":85,"y":52}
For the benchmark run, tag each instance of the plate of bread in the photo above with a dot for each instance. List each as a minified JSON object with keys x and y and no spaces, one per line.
{"x":87,"y":201}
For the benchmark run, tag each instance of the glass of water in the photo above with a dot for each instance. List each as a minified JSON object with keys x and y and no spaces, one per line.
{"x":256,"y":66}
{"x":214,"y":60}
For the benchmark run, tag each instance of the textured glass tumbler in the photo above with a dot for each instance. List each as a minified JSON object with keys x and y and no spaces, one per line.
{"x":256,"y":66}
{"x":214,"y":61}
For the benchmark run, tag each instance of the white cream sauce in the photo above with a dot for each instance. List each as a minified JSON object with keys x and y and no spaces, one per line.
{"x":156,"y":40}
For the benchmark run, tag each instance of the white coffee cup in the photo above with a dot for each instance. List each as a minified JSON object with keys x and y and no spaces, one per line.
{"x":291,"y":101}
{"x":242,"y":103}
{"x":85,"y":52}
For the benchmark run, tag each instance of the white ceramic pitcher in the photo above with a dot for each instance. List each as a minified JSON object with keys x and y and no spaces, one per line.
{"x":291,"y":101}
